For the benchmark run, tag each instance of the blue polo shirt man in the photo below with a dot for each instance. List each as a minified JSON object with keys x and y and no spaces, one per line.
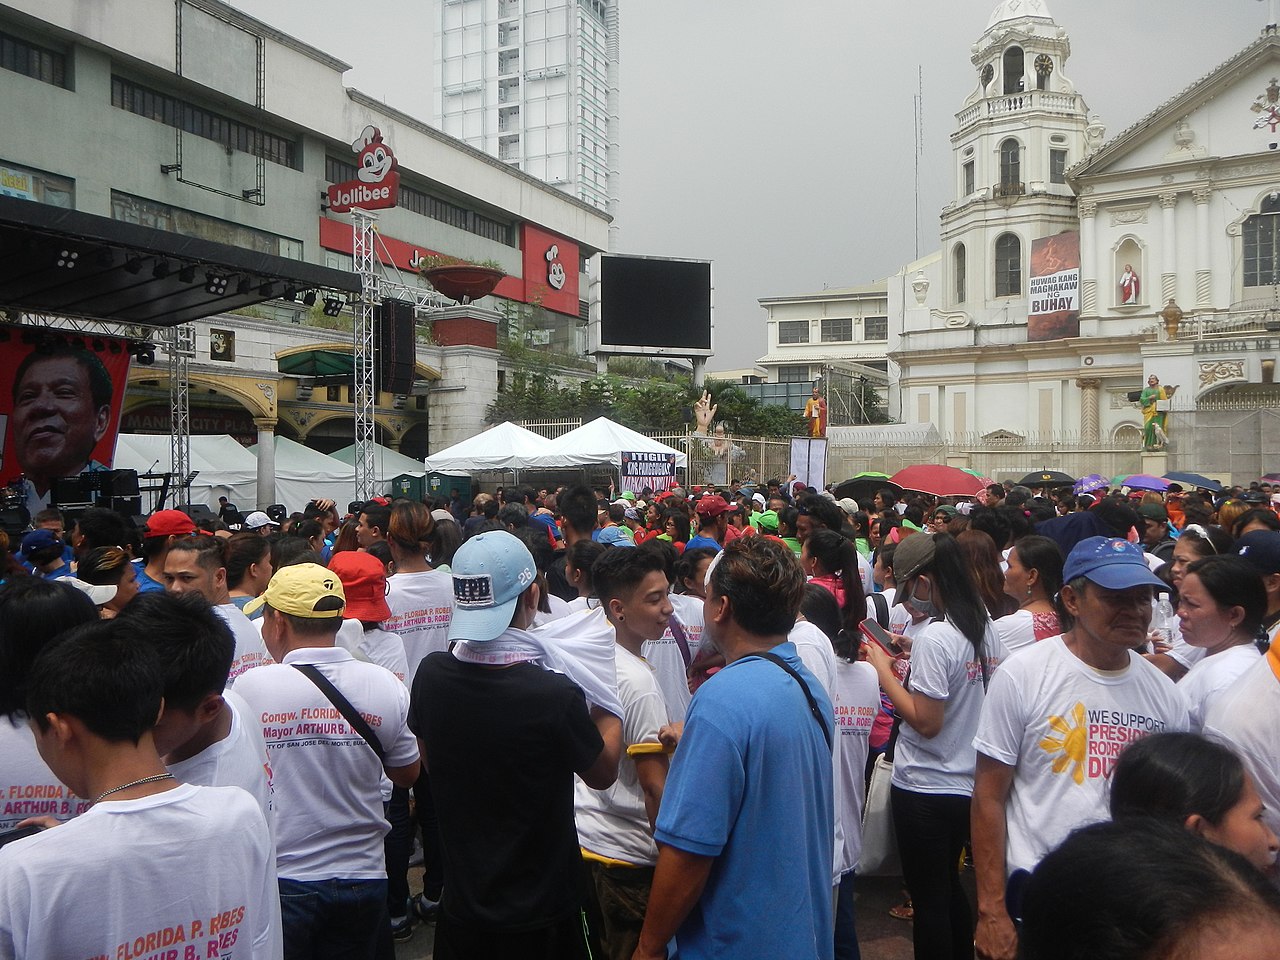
{"x":751,"y":777}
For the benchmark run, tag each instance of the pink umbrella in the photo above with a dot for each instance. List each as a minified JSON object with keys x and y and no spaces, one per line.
{"x":939,"y":480}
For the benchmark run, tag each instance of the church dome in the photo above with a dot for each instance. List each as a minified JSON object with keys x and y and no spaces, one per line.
{"x":1017,"y":9}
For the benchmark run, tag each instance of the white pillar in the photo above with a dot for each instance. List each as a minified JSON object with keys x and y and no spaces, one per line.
{"x":1088,"y":242}
{"x":1168,"y":247}
{"x":1204,"y":266}
{"x":266,"y":461}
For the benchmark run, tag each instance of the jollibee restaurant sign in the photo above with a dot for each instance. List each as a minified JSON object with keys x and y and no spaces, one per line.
{"x":377,"y":183}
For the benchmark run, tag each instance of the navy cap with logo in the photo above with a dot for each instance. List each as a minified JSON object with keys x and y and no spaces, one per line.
{"x":490,"y":572}
{"x":1262,"y":549}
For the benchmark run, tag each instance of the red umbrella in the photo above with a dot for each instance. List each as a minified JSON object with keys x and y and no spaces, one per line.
{"x":939,"y":480}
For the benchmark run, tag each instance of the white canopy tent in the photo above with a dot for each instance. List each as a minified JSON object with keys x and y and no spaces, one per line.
{"x":226,"y":469}
{"x":602,"y":441}
{"x":303,"y":474}
{"x":504,"y":447}
{"x":387,"y":464}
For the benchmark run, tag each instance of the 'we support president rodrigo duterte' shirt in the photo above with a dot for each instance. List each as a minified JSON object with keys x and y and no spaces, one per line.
{"x":1062,"y":725}
{"x":326,"y":778}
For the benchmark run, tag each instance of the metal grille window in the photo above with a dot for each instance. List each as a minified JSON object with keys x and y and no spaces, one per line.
{"x":174,"y":112}
{"x":875,"y":328}
{"x":1010,"y":163}
{"x":969,"y":184}
{"x":793,"y":374}
{"x":793,"y":331}
{"x":32,"y":60}
{"x":424,"y":204}
{"x":1008,"y":265}
{"x":837,"y":331}
{"x":960,"y":266}
{"x":1261,"y":238}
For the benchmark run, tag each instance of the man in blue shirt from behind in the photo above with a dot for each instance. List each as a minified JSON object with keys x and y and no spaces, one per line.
{"x":745,"y":835}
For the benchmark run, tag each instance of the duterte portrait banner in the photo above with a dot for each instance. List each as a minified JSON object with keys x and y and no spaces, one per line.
{"x":60,"y":400}
{"x":1053,"y":303}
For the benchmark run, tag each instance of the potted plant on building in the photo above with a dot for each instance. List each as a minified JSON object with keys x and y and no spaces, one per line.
{"x":461,"y":280}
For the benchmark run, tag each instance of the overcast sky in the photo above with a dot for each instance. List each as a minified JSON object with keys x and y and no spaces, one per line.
{"x":776,"y":138}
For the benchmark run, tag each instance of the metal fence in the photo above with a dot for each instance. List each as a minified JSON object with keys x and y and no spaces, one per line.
{"x":764,"y":458}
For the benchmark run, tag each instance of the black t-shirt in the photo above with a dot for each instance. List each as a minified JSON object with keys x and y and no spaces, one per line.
{"x":502,"y":746}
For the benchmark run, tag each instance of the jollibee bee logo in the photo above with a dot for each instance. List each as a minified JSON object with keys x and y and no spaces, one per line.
{"x":555,"y":269}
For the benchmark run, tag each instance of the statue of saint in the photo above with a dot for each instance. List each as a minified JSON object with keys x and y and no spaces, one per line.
{"x":1130,"y":285}
{"x":815,"y":411}
{"x":1155,"y":414}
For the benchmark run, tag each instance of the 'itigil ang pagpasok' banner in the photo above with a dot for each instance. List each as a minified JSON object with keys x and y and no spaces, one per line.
{"x":1053,"y":304}
{"x":637,"y":470}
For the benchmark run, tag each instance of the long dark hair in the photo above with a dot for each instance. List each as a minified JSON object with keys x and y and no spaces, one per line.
{"x":984,"y":564}
{"x":1173,"y":775}
{"x":952,"y":583}
{"x":839,"y":558}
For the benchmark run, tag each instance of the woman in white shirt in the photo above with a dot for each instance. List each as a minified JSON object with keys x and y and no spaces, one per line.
{"x":1221,"y":603}
{"x":1033,"y":579}
{"x":952,"y":659}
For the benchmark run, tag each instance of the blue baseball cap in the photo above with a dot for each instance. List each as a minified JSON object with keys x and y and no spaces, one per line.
{"x":614,"y":537}
{"x":1262,"y":549}
{"x":40,"y":540}
{"x":490,"y":571}
{"x":1110,"y":563}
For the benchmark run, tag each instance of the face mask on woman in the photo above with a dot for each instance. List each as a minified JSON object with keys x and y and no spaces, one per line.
{"x":925,"y":605}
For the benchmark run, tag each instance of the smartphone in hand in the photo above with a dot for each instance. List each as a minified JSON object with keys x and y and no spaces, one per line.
{"x":879,"y":635}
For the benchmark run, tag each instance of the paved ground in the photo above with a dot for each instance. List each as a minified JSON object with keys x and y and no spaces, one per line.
{"x":879,"y":935}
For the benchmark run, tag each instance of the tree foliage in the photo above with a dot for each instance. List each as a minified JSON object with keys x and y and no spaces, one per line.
{"x":657,"y":405}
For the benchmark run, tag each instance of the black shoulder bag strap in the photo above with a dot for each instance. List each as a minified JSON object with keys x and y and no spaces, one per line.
{"x":882,"y":609}
{"x":813,"y":704}
{"x":349,"y":713}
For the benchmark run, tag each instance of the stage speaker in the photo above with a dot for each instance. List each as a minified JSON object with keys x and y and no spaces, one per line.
{"x":199,"y":512}
{"x":396,"y":348}
{"x":119,"y":483}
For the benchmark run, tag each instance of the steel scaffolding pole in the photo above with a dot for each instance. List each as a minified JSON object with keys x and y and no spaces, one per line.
{"x":367,"y":267}
{"x":182,"y":347}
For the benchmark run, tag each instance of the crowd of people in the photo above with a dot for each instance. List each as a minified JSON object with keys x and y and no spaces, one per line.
{"x":642,"y":724}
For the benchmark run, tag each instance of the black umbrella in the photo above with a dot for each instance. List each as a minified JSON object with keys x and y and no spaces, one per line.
{"x":863,"y":489}
{"x":1047,"y":478}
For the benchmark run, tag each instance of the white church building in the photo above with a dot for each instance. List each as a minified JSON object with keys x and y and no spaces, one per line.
{"x":1073,"y":266}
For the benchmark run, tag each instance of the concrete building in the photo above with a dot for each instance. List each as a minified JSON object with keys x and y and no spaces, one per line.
{"x":1176,"y":222}
{"x":194,"y":118}
{"x":533,"y":83}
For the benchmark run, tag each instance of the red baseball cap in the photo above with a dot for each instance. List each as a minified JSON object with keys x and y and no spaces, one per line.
{"x":712,"y":505}
{"x":170,"y":523}
{"x":364,"y":582}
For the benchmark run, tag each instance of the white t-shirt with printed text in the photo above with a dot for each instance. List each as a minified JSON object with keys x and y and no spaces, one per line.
{"x":1061,"y":724}
{"x":182,"y":873}
{"x":251,"y":651}
{"x":28,"y":787}
{"x":326,"y":778}
{"x":421,"y":608}
{"x":613,"y":822}
{"x":945,"y":667}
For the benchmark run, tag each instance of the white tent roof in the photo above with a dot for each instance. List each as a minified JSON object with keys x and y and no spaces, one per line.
{"x":504,"y":447}
{"x":226,"y":469}
{"x":387,"y":463}
{"x":601,"y":441}
{"x":303,"y":474}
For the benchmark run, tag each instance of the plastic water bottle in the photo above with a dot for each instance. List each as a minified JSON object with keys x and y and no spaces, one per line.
{"x":1163,"y":620}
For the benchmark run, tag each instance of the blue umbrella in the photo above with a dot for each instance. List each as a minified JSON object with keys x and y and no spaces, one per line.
{"x":1194,"y":480}
{"x":1092,"y":482}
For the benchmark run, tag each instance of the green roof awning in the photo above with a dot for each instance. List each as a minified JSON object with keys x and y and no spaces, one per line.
{"x":319,"y":363}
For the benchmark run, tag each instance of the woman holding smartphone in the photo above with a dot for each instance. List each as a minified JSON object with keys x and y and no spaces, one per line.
{"x":952,"y":659}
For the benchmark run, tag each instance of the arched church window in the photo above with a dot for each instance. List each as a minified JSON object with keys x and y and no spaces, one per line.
{"x":1261,"y":238}
{"x":1008,"y":265}
{"x":1012,"y":70}
{"x":958,"y":268}
{"x":1010,"y":163}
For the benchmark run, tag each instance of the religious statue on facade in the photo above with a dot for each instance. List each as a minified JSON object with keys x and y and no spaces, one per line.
{"x":815,"y":412}
{"x":1130,"y":285}
{"x":1154,"y":401}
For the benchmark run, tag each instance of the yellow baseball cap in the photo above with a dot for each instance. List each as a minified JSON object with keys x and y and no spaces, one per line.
{"x":302,"y":590}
